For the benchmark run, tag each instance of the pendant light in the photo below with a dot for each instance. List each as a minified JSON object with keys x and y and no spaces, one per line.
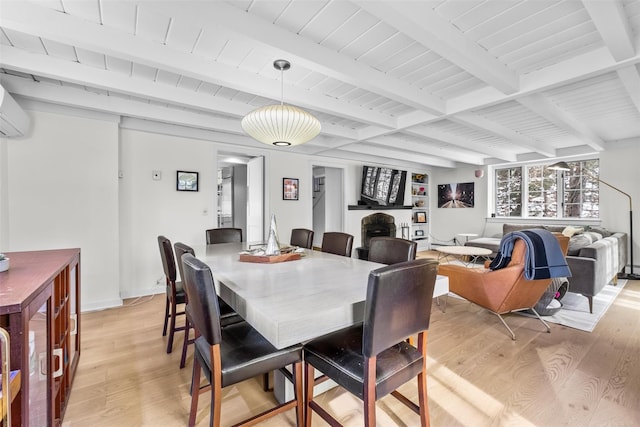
{"x":281,"y":125}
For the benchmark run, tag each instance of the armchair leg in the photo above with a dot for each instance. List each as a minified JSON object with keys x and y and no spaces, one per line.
{"x":513,"y":336}
{"x":546,"y":325}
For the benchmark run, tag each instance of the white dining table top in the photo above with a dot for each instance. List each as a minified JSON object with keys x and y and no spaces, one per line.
{"x":294,"y":301}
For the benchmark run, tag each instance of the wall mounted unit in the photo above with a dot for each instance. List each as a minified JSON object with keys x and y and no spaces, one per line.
{"x":14,"y":121}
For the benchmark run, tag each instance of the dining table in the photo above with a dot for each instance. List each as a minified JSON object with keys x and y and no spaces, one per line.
{"x":294,"y":301}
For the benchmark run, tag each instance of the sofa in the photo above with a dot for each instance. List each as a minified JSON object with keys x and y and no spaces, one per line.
{"x":595,"y":255}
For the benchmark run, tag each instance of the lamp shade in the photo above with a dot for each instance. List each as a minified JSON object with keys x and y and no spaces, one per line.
{"x":560,"y":166}
{"x":281,"y":125}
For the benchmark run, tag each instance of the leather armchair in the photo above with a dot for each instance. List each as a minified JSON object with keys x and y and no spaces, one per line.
{"x":500,"y":291}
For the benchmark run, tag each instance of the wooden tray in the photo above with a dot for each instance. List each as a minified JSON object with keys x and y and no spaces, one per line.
{"x":269,"y":259}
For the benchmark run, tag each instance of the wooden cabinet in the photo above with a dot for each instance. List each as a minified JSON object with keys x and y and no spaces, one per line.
{"x":40,"y":306}
{"x":420,"y":209}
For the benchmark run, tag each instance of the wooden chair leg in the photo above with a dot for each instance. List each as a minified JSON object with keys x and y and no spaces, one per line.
{"x":185,"y":343}
{"x":298,"y":393}
{"x":166,"y":316}
{"x":308,"y":394}
{"x":172,"y":326}
{"x":369,"y":397}
{"x":195,"y":392}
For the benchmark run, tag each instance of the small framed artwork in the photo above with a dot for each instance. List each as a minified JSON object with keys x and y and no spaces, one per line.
{"x":419,"y":233}
{"x":186,"y":181}
{"x":421,"y":216}
{"x":290,"y":188}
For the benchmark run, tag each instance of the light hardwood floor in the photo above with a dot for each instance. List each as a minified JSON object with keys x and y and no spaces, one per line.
{"x":478,"y":376}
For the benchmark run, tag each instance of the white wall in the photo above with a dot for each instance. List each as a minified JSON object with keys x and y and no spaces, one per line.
{"x":62,"y":192}
{"x":149,"y":208}
{"x":447,"y":223}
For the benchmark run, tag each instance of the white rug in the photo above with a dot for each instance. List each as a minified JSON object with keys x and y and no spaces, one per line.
{"x":575,"y":311}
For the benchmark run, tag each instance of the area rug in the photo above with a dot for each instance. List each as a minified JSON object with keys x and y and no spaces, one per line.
{"x":575,"y":311}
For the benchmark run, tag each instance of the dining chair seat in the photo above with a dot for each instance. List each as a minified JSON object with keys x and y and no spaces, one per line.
{"x":175,"y":294}
{"x":227,"y":315}
{"x":371,"y":359}
{"x":234,"y":353}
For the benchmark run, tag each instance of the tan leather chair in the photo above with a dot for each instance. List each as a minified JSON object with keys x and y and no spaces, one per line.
{"x":500,"y":291}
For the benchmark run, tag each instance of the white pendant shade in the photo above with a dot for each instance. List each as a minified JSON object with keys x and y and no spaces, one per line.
{"x":281,"y":125}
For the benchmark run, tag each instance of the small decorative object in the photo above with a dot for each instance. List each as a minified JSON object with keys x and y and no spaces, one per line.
{"x":289,"y":188}
{"x":405,"y":230}
{"x":419,"y":203}
{"x":186,"y":181}
{"x":421,"y":216}
{"x":419,"y":233}
{"x":273,"y":245}
{"x":4,"y":263}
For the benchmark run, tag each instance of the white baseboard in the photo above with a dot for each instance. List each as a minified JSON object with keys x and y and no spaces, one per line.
{"x":101,"y":305}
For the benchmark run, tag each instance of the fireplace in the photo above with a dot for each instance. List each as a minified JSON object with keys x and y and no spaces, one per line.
{"x":375,"y":225}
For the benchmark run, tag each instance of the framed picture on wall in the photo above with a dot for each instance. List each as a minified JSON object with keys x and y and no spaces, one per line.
{"x":290,"y":189}
{"x":421,"y":216}
{"x":186,"y":181}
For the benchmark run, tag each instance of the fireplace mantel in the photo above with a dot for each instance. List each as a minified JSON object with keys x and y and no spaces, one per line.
{"x":376,"y":208}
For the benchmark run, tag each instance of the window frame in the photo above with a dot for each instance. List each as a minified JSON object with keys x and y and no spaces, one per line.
{"x":524,"y":185}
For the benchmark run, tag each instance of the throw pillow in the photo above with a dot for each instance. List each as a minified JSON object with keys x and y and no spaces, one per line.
{"x":577,"y":242}
{"x":603,"y":231}
{"x":594,"y":236}
{"x":570,"y":230}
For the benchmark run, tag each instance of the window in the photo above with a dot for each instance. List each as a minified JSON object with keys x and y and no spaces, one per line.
{"x":542,"y":188}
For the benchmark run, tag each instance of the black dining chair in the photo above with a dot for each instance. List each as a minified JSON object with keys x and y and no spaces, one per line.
{"x":302,"y":238}
{"x":372,"y":359}
{"x":174,"y":291}
{"x":223,"y":235}
{"x":391,"y":250}
{"x":227,"y":314}
{"x":234,"y":353}
{"x":337,"y":243}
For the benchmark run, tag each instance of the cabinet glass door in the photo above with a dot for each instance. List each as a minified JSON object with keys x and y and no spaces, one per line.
{"x":38,"y":366}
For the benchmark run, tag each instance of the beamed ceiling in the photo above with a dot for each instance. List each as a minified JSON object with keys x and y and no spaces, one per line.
{"x":436,"y":83}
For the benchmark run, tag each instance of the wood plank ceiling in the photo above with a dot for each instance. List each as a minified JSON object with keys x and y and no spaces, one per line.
{"x":436,"y":83}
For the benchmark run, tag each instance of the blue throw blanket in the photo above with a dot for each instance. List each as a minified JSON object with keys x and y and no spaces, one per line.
{"x":543,"y":259}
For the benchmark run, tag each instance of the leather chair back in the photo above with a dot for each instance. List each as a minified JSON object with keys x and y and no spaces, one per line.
{"x":302,"y":237}
{"x":337,"y":243}
{"x":168,"y":259}
{"x":398,"y":303}
{"x":391,"y":250}
{"x":203,"y":301}
{"x":223,"y":235}
{"x":181,"y":249}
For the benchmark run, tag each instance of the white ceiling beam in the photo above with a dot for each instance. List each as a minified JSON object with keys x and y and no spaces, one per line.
{"x":430,"y":149}
{"x":46,"y":23}
{"x":427,"y":132}
{"x":302,"y":51}
{"x":612,"y":24}
{"x":73,"y":97}
{"x":630,"y":79}
{"x":419,"y":21}
{"x":543,"y":107}
{"x":581,"y":67}
{"x":394,"y":153}
{"x":484,"y":125}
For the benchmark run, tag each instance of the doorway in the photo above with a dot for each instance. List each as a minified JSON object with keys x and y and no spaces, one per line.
{"x":328,"y":201}
{"x":241,"y":194}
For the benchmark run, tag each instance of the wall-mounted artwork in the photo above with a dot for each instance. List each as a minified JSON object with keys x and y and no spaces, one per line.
{"x":186,"y":181}
{"x":460,"y":195}
{"x":289,"y":188}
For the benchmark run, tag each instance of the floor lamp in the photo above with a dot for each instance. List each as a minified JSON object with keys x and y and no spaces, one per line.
{"x":563,"y":166}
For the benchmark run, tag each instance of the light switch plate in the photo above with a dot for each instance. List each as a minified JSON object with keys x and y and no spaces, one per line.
{"x":156,"y":175}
